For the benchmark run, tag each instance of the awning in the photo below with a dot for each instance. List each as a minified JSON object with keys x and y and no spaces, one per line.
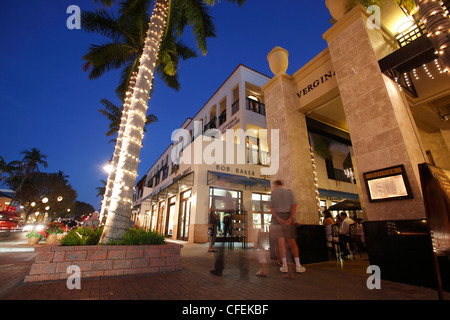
{"x":232,"y":178}
{"x":338,"y":194}
{"x":346,"y":205}
{"x":265,"y":183}
{"x":173,"y":186}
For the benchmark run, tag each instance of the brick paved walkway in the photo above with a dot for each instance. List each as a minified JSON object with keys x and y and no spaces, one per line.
{"x":329,"y":280}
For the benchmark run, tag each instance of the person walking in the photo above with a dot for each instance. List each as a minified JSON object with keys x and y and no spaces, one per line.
{"x":212,"y":231}
{"x":283,"y":207}
{"x":219,"y":264}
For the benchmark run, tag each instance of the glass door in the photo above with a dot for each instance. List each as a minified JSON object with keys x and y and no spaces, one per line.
{"x":261,"y":211}
{"x":170,"y":217}
{"x":185,"y":213}
{"x":153,"y":217}
{"x":161,"y":220}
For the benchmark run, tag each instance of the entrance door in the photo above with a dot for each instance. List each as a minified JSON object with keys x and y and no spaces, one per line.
{"x":161,"y":220}
{"x":185,"y":213}
{"x":170,"y":217}
{"x":153,"y":217}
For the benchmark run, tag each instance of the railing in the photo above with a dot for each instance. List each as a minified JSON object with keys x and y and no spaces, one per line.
{"x":413,"y":33}
{"x":165,"y":171}
{"x":256,"y":106}
{"x":211,"y":124}
{"x":235,"y":107}
{"x":223,"y":117}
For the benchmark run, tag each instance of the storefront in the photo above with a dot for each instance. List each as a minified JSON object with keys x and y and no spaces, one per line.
{"x":382,"y":95}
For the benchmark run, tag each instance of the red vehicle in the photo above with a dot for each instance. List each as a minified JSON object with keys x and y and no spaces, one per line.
{"x":9,"y":222}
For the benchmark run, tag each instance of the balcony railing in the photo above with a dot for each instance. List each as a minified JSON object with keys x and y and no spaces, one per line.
{"x":211,"y":124}
{"x":165,"y":170}
{"x":416,"y":31}
{"x":256,"y":106}
{"x":223,"y":117}
{"x":235,"y":107}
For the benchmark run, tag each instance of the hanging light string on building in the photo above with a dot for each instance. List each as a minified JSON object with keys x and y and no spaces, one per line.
{"x":436,"y":19}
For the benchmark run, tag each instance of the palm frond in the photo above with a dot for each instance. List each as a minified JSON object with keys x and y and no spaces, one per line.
{"x":202,"y":23}
{"x":102,"y":22}
{"x":105,"y":57}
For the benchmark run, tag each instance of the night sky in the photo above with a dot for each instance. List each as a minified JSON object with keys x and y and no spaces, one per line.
{"x":48,"y":102}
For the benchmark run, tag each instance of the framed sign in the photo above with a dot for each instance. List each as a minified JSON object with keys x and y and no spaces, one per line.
{"x":388,"y":184}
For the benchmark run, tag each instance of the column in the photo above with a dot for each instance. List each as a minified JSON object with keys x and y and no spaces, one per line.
{"x":381,"y":126}
{"x":295,"y":166}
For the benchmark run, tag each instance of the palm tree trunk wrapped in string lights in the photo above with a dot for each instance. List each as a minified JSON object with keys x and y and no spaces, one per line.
{"x":117,"y":149}
{"x":118,"y":220}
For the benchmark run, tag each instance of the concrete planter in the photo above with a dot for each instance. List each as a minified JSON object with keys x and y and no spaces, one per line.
{"x":102,"y":261}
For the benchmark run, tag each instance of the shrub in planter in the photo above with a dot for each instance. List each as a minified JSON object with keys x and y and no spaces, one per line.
{"x":54,"y":227}
{"x":35,"y":234}
{"x":140,"y":237}
{"x":82,"y":237}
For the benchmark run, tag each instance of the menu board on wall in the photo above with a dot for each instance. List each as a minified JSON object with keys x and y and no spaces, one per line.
{"x":388,"y":184}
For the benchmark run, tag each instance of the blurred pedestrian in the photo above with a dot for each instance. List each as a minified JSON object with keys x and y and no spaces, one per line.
{"x":261,"y":254}
{"x":219,"y":264}
{"x":213,"y":222}
{"x":283,"y":207}
{"x":94,"y":220}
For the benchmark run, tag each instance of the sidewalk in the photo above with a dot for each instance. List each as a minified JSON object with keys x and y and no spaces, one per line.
{"x":322,"y":281}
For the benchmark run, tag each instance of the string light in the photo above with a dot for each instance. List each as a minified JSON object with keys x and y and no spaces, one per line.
{"x":137,"y":100}
{"x":316,"y":180}
{"x":428,"y":72}
{"x":435,"y":17}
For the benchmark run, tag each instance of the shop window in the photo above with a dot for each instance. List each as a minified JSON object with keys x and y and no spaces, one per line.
{"x":221,"y":198}
{"x":335,"y":156}
{"x":261,"y":211}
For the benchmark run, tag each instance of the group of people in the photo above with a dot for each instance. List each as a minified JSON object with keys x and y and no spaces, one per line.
{"x":283,"y":207}
{"x":343,"y":222}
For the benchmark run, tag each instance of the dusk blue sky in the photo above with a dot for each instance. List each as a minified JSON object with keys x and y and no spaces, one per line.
{"x":48,"y":102}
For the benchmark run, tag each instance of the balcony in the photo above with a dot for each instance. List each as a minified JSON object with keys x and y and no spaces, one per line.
{"x":211,"y":124}
{"x":235,"y":107}
{"x":223,"y":117}
{"x":256,"y":106}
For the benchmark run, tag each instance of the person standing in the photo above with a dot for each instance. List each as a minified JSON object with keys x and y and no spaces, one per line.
{"x":283,"y":207}
{"x":344,"y":233}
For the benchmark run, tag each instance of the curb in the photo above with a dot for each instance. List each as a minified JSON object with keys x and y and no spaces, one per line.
{"x":11,"y":249}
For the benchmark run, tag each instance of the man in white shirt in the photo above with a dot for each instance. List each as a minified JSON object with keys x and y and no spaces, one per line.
{"x":345,"y":233}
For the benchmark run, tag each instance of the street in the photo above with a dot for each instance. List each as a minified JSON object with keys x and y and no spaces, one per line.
{"x":13,"y":238}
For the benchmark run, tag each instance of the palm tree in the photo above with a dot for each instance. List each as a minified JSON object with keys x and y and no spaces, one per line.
{"x":114,"y":114}
{"x":30,"y":164}
{"x":8,"y":168}
{"x":32,"y":159}
{"x":127,"y":34}
{"x":101,"y":190}
{"x":167,"y":15}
